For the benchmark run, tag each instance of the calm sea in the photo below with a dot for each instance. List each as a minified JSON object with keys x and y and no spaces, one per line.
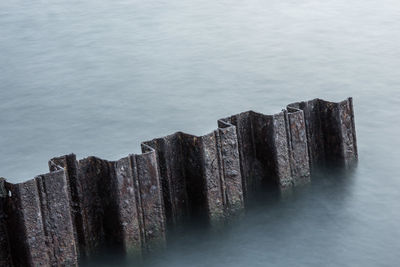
{"x":97,"y":77}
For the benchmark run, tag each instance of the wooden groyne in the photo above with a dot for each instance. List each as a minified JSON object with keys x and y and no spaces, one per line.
{"x":84,"y":206}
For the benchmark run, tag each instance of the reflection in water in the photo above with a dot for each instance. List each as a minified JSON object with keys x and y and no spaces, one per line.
{"x":278,"y":219}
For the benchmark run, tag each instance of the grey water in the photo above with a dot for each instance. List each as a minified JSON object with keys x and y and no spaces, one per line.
{"x":98,"y":77}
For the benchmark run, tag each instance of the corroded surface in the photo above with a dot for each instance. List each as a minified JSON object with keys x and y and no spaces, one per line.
{"x":331,"y":132}
{"x":128,"y":200}
{"x":82,"y":207}
{"x":263,"y":149}
{"x":117,"y":205}
{"x":200,"y":175}
{"x":5,"y":256}
{"x":315,"y":141}
{"x":281,"y":151}
{"x":212,"y":174}
{"x":221,"y":170}
{"x":252,"y":170}
{"x":331,"y":136}
{"x":348,"y":131}
{"x":298,"y":149}
{"x":57,"y":222}
{"x":94,"y":177}
{"x":25,"y":226}
{"x":39,"y":225}
{"x":169,"y":154}
{"x":231,"y":178}
{"x":69,"y":164}
{"x":151,"y":200}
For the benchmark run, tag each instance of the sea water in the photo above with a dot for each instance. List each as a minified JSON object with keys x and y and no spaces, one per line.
{"x":97,"y":77}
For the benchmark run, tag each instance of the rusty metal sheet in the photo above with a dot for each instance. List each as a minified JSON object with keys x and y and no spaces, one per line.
{"x":191,"y":148}
{"x":315,"y":141}
{"x":25,"y":225}
{"x":214,"y":184}
{"x":94,"y":177}
{"x":5,"y":256}
{"x":171,"y":165}
{"x":57,"y":222}
{"x":193,"y":175}
{"x":221,"y":170}
{"x":91,"y":184}
{"x":331,"y":135}
{"x":298,"y":149}
{"x":331,"y":132}
{"x":264,"y":145}
{"x":263,"y":149}
{"x":39,"y":226}
{"x":251,"y":169}
{"x":129,"y":206}
{"x":152,"y":206}
{"x":94,"y":204}
{"x":230,"y":169}
{"x":69,"y":164}
{"x":348,"y":131}
{"x":281,"y":151}
{"x":111,"y":209}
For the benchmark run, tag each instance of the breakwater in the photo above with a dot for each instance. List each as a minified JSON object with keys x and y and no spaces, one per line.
{"x":83,"y":206}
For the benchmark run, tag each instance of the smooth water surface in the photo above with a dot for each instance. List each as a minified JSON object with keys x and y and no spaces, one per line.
{"x":97,"y":77}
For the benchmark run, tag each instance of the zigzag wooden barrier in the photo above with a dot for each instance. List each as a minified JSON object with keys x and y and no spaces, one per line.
{"x":84,"y":206}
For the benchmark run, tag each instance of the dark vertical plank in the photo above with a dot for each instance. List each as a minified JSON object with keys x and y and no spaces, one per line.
{"x":349,"y":141}
{"x":281,"y":151}
{"x":96,"y":183}
{"x":57,"y":221}
{"x":263,"y":149}
{"x":299,"y":160}
{"x":5,"y":256}
{"x":271,"y":147}
{"x":230,"y":164}
{"x":151,"y":200}
{"x":194,"y":175}
{"x":129,"y":206}
{"x":69,"y":164}
{"x":252,"y":170}
{"x":315,"y":140}
{"x":331,"y":132}
{"x":214,"y":186}
{"x":172,"y":172}
{"x":25,"y":226}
